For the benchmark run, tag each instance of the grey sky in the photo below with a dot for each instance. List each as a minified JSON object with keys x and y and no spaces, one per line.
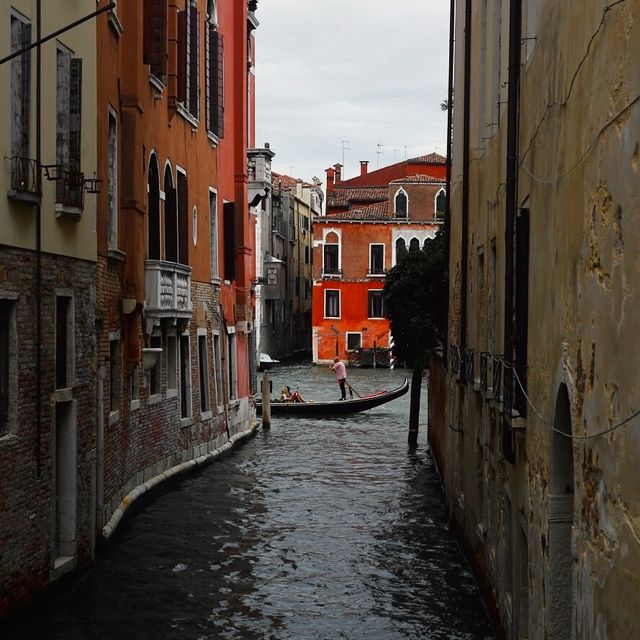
{"x":366,"y":71}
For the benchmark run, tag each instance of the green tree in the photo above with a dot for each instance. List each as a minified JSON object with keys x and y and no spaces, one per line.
{"x":415,"y":301}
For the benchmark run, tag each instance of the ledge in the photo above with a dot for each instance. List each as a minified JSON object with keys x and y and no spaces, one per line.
{"x":135,"y":405}
{"x":194,"y":122}
{"x":156,"y":83}
{"x":114,"y":23}
{"x":114,"y":418}
{"x":24,"y":196}
{"x":172,"y":393}
{"x":179,"y":469}
{"x":116,"y":254}
{"x":62,"y":565}
{"x":63,"y":395}
{"x":75,"y":213}
{"x":186,"y":422}
{"x":154,"y":399}
{"x":8,"y":440}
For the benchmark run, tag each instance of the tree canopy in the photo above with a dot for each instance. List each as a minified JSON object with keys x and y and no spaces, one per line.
{"x":415,"y":301}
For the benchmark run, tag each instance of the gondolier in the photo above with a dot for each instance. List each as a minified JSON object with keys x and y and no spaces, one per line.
{"x":341,"y":374}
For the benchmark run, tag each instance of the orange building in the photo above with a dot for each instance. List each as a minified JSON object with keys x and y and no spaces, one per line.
{"x":175,"y":238}
{"x":354,"y":246}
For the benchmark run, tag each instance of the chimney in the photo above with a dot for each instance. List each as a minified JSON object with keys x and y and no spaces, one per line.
{"x":364,"y":167}
{"x":330,"y":179}
{"x":338,"y":168}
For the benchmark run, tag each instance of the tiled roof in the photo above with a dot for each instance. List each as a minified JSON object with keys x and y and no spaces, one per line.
{"x":419,"y":179}
{"x":343,"y":197}
{"x":377,"y":211}
{"x":430,"y":158}
{"x":287,"y":182}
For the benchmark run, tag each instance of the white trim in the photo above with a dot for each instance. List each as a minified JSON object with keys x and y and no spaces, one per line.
{"x":194,"y":230}
{"x":324,"y":308}
{"x":395,"y":207}
{"x":384,"y":255}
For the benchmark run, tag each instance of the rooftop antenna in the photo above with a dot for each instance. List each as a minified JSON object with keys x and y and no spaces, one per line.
{"x":379,"y":152}
{"x":345,"y":147}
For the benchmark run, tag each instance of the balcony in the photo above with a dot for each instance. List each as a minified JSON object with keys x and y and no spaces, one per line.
{"x":167,"y":287}
{"x":26,"y":180}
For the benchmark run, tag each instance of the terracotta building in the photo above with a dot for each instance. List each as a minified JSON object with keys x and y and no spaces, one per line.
{"x":47,"y":298}
{"x":534,"y":420}
{"x":356,"y":243}
{"x":175,"y":240}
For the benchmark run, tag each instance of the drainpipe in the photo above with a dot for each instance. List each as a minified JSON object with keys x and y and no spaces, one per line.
{"x":38,"y":243}
{"x":447,"y":217}
{"x":515,"y":28}
{"x":464,"y":267}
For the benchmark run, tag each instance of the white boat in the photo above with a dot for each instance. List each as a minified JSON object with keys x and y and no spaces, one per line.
{"x":266,"y":362}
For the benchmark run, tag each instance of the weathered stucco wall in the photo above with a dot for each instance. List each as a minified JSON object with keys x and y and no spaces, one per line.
{"x":557,"y":529}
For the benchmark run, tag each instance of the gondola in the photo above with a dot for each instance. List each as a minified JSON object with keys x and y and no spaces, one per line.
{"x":334,"y":408}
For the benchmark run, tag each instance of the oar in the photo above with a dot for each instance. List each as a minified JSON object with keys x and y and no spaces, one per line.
{"x":352,"y":390}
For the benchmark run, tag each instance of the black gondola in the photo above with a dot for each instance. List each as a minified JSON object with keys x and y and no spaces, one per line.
{"x":334,"y":408}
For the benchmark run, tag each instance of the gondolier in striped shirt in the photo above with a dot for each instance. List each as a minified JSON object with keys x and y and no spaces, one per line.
{"x":341,"y":374}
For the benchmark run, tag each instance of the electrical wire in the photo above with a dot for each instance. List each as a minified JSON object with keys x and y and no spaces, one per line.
{"x":615,"y":427}
{"x":574,"y":77}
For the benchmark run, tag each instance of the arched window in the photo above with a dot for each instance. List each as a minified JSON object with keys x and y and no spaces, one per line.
{"x":401,"y":204}
{"x":170,"y":217}
{"x":153,"y":209}
{"x":441,"y":203}
{"x":401,"y":246}
{"x":414,"y":245}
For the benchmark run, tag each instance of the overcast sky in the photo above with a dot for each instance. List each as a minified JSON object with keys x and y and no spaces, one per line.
{"x":366,"y":71}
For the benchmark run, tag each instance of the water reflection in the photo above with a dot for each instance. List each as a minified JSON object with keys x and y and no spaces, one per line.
{"x":316,"y":529}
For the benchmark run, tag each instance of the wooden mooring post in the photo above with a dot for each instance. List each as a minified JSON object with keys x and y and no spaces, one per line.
{"x":266,"y":401}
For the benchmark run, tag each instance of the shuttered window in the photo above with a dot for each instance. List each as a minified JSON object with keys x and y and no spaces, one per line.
{"x":20,"y":88}
{"x":155,"y":37}
{"x":229,"y":241}
{"x":188,"y":59}
{"x":215,"y":82}
{"x":183,"y":219}
{"x":75,"y":112}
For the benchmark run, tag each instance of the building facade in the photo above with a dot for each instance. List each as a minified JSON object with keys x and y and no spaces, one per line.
{"x":141,"y":298}
{"x":283,"y":264}
{"x":534,"y":419}
{"x":47,"y":298}
{"x":354,"y":246}
{"x":175,"y":239}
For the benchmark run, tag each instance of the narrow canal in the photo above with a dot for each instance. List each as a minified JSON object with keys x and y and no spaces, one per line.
{"x":316,"y":529}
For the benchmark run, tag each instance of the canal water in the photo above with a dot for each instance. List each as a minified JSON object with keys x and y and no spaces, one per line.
{"x":316,"y":529}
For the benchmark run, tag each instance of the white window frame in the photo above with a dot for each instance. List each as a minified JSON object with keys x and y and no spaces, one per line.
{"x":194,"y":220}
{"x":232,"y":365}
{"x":173,"y":380}
{"x":435,"y":202}
{"x":395,"y":203}
{"x":203,"y":374}
{"x":369,"y":317}
{"x":384,"y":249}
{"x":352,"y":333}
{"x":187,"y":419}
{"x":339,"y":304}
{"x":71,"y":333}
{"x":213,"y":235}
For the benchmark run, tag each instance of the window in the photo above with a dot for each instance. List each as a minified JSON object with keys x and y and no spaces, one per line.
{"x":172,"y":362}
{"x":441,"y":203}
{"x":376,"y":259}
{"x":306,"y":254}
{"x":153,"y":209}
{"x":304,"y":222}
{"x":214,"y":74}
{"x":401,"y":204}
{"x":20,"y":105}
{"x":332,"y":303}
{"x":307,"y":289}
{"x":331,"y":260}
{"x":70,"y":180}
{"x":213,"y":226}
{"x":170,"y":217}
{"x":231,"y":360}
{"x":114,"y":378}
{"x":414,"y":245}
{"x":183,"y":218}
{"x":376,"y":304}
{"x":64,"y":342}
{"x":480,"y":267}
{"x":229,"y":209}
{"x":185,"y":377}
{"x":112,"y":180}
{"x":354,"y":341}
{"x":188,"y":58}
{"x":217,"y":358}
{"x":203,"y":365}
{"x":155,"y":37}
{"x":401,"y":247}
{"x":155,"y":374}
{"x":8,"y":364}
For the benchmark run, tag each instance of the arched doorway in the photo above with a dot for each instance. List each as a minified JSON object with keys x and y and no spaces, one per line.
{"x":561,"y":492}
{"x":153,"y":210}
{"x":170,"y":218}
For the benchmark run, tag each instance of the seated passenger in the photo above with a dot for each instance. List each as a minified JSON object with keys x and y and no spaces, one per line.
{"x":285,"y":394}
{"x":296,"y":397}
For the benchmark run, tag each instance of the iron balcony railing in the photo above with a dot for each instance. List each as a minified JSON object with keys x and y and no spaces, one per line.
{"x":26,"y":176}
{"x":70,"y":188}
